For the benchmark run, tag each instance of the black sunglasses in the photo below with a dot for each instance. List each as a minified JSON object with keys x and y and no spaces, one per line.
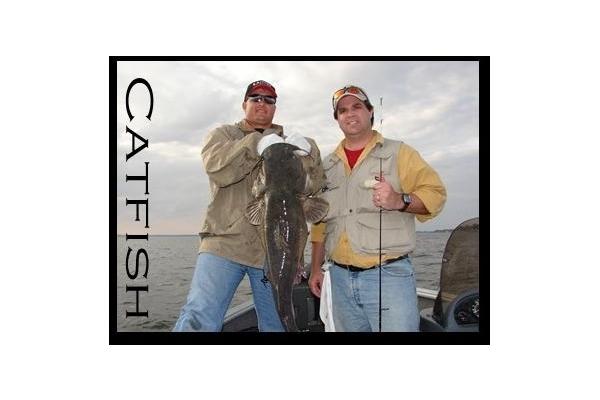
{"x":257,"y":97}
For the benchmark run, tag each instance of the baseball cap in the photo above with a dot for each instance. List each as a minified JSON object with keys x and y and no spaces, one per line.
{"x":256,"y":85}
{"x":350,"y":90}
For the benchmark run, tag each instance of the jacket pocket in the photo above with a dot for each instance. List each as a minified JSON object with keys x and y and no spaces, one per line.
{"x":394,"y":233}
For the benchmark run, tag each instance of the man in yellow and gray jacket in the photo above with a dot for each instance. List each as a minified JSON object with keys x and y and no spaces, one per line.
{"x":230,"y":246}
{"x":366,"y":173}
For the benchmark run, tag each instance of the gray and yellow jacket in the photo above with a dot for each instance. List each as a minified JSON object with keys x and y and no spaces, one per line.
{"x":351,"y":228}
{"x":230,"y":160}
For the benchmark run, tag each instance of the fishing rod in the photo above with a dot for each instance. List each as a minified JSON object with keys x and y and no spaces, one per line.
{"x":380,"y":208}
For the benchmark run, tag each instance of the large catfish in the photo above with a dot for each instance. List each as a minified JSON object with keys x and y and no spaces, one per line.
{"x":281,"y":208}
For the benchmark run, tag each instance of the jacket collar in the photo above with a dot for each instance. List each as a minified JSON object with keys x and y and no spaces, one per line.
{"x":246,"y":128}
{"x":374,"y":148}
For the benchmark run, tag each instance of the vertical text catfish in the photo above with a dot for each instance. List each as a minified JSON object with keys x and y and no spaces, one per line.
{"x":282,"y":208}
{"x":137,"y":202}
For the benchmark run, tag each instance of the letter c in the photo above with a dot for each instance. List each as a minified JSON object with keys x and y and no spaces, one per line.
{"x":132,"y":84}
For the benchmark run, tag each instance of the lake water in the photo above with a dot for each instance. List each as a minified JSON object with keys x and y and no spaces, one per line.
{"x":172,"y":263}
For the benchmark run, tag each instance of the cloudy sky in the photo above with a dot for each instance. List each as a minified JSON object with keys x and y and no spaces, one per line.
{"x":430,"y":105}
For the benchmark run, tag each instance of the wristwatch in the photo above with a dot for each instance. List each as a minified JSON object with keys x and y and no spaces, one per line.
{"x":407,"y":200}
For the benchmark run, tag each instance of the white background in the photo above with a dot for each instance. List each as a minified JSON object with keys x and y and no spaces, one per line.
{"x":544,"y":268}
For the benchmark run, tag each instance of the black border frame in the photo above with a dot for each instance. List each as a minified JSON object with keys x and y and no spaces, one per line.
{"x":385,"y":338}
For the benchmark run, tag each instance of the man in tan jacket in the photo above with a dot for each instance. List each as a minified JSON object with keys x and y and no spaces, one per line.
{"x":365,"y":174}
{"x":230,"y":246}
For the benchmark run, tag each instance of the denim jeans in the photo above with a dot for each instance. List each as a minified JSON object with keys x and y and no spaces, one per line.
{"x":355,"y":299}
{"x":213,"y":286}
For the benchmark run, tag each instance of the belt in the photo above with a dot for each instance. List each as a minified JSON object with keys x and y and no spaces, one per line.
{"x":360,"y":269}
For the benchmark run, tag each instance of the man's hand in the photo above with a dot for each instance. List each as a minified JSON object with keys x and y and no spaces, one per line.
{"x":300,"y":142}
{"x":266,"y":141}
{"x":315,"y":282}
{"x":385,"y":196}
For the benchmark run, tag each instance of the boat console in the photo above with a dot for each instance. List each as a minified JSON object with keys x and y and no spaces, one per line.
{"x":456,"y":308}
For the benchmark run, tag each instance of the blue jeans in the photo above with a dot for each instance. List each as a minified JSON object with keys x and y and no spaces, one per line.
{"x":213,"y":286}
{"x":355,"y":299}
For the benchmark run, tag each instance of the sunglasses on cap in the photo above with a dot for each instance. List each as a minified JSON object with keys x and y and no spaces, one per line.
{"x":348,"y":90}
{"x":260,"y":85}
{"x":258,"y":97}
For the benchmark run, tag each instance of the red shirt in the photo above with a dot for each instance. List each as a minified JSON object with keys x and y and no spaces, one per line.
{"x":352,"y":156}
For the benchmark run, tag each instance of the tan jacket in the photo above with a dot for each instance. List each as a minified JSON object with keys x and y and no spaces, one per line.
{"x":230,"y":160}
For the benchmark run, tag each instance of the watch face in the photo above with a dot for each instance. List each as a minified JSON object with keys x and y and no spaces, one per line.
{"x":406,"y":198}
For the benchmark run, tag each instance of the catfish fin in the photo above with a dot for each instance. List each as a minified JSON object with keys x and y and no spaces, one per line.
{"x":315,"y":209}
{"x":259,"y":186}
{"x":255,"y":211}
{"x":300,"y":272}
